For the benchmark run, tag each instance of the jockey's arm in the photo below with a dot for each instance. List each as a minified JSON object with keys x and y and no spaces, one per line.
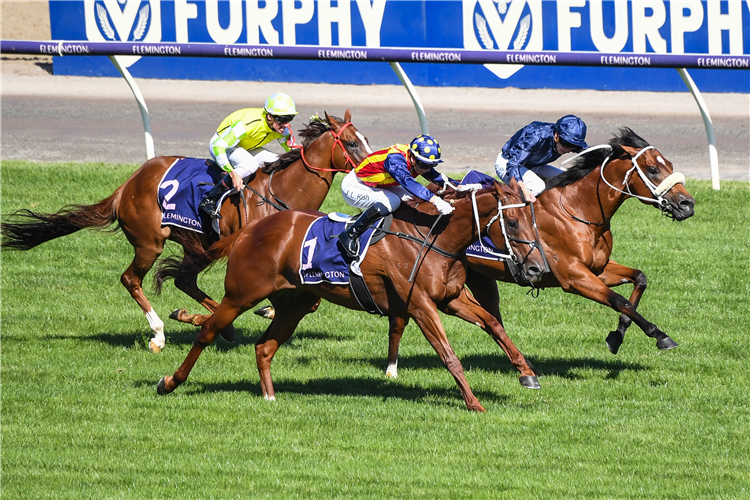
{"x":226,"y":139}
{"x":395,"y":165}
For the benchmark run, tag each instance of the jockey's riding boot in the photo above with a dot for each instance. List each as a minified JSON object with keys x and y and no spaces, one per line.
{"x":350,"y":238}
{"x":208,"y":204}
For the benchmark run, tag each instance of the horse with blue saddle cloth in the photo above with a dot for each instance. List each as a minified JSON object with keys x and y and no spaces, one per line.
{"x":408,"y":275}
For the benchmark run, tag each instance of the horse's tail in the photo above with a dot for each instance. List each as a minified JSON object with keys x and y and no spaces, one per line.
{"x":28,"y":229}
{"x":195,"y":259}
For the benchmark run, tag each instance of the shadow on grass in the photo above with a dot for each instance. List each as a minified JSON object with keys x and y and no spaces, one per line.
{"x":244,"y":337}
{"x":346,"y":386}
{"x":559,"y":367}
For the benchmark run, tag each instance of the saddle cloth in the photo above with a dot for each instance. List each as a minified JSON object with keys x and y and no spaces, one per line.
{"x":181,"y":189}
{"x":476,"y":249}
{"x":322,"y":256}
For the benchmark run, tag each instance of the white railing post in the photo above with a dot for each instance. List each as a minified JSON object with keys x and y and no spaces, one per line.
{"x":713,"y":156}
{"x":414,"y":96}
{"x":141,"y":104}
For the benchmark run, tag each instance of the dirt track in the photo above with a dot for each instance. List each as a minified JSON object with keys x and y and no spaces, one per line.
{"x":59,"y":118}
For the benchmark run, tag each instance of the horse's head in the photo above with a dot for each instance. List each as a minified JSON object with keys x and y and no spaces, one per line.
{"x":350,"y":147}
{"x":514,"y":227}
{"x":652,"y":178}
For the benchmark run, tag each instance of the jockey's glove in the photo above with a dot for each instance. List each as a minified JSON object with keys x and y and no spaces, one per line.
{"x":443,"y":206}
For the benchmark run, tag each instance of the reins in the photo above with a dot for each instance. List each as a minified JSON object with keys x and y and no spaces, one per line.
{"x":279,"y":204}
{"x":336,"y":141}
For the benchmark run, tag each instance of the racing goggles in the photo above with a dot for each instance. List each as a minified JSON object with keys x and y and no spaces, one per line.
{"x":283,"y":120}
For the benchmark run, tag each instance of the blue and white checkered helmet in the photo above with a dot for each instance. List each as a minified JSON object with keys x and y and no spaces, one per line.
{"x":426,"y":149}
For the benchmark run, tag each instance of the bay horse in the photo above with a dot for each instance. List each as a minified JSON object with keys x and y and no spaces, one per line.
{"x":573,"y":217}
{"x":439,"y":283}
{"x":301,"y":179}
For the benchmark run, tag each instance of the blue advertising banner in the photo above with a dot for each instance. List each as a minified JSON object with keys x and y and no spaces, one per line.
{"x":613,"y":27}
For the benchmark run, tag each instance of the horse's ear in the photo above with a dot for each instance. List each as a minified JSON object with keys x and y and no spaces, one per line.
{"x":514,"y":187}
{"x":348,"y":116}
{"x":332,"y":121}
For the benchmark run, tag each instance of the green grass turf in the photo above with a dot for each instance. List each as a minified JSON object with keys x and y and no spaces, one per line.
{"x":81,"y":418}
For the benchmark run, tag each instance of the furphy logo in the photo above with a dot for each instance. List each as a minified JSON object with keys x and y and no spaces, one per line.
{"x":503,"y":25}
{"x":123,"y":20}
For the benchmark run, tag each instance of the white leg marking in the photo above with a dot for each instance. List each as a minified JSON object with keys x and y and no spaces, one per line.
{"x":157,"y":343}
{"x":269,"y":398}
{"x":392,"y":371}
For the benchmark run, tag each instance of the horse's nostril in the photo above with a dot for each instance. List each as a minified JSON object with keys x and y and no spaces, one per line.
{"x":533,"y":271}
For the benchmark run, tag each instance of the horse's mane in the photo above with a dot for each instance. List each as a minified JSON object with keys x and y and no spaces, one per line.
{"x":313,"y":130}
{"x":583,"y":165}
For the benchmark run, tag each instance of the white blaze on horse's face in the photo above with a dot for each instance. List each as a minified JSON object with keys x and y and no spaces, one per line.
{"x":364,"y":141}
{"x":661,"y":160}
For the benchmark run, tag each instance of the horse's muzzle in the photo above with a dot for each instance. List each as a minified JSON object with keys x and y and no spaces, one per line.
{"x":680,"y":208}
{"x":532,"y":273}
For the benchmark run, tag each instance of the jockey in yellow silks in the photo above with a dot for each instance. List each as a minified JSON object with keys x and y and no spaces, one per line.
{"x":237,"y":145}
{"x":386,"y":177}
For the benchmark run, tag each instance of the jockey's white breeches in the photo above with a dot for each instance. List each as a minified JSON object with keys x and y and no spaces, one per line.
{"x":247,"y":162}
{"x":360,"y":195}
{"x":529,"y":176}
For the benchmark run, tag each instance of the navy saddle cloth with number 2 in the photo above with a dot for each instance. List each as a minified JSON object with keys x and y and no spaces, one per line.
{"x":322,"y":256}
{"x":181,"y":190}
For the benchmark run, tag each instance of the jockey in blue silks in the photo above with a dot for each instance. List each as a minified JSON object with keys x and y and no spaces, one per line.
{"x":526,"y":156}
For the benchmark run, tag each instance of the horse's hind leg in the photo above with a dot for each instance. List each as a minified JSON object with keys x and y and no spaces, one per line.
{"x":615,"y":274}
{"x":290,"y":307}
{"x":132,"y":280}
{"x":190,"y":287}
{"x":468,"y":309}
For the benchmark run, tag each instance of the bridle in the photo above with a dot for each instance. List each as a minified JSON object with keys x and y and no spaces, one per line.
{"x":513,"y":260}
{"x":336,"y":141}
{"x":657,"y":192}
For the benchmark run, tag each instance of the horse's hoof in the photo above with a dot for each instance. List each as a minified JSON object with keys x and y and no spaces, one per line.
{"x":666,"y":343}
{"x":529,"y":382}
{"x":175,"y":315}
{"x":161,"y":387}
{"x":265,"y":312}
{"x":153,"y":347}
{"x":614,"y":341}
{"x":229,"y":334}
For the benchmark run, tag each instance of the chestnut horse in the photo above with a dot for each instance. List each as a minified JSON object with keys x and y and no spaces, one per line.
{"x":573,"y":216}
{"x":438,"y":284}
{"x":301,"y":179}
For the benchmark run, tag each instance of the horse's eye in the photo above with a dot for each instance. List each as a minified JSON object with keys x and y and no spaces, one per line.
{"x":512,"y":224}
{"x":352,"y":145}
{"x":652,"y":170}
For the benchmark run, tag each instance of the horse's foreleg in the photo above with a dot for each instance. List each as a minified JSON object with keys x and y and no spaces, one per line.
{"x":223,"y":317}
{"x":429,"y":322}
{"x":587,"y":285}
{"x":615,"y":274}
{"x":396,"y":326}
{"x":291,"y":308}
{"x":467,"y":308}
{"x":132,"y":280}
{"x":484,"y":291}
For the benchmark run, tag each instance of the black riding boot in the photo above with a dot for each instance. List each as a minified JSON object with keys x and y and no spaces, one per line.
{"x":350,"y":238}
{"x":208,"y":203}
